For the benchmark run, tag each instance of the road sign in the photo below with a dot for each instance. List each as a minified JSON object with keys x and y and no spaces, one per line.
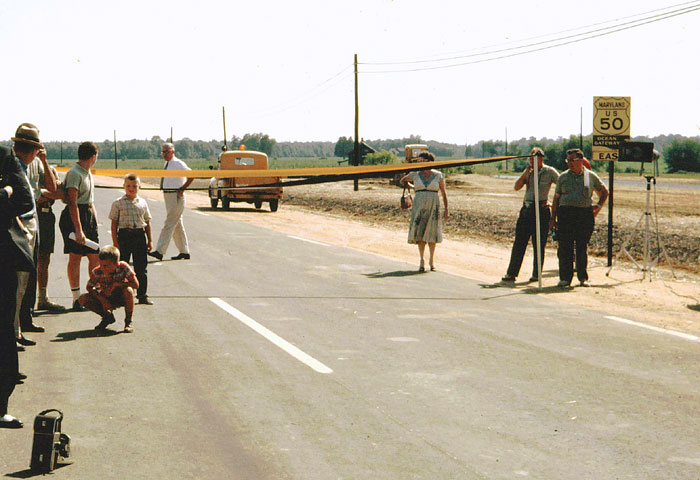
{"x":611,"y":126}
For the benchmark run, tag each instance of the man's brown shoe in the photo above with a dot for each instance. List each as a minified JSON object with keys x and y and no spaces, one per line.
{"x":50,"y":306}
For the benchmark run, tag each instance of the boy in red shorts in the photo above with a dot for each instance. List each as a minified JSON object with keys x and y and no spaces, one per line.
{"x":112,"y":285}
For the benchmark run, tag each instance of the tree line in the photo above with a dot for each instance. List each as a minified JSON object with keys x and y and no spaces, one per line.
{"x":680,"y":153}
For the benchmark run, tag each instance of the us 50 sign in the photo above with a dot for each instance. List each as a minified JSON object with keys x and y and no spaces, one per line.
{"x":611,"y":126}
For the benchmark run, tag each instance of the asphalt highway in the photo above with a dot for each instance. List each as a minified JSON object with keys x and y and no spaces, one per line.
{"x":268,"y":356}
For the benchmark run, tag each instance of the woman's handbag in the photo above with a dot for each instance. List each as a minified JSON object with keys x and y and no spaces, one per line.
{"x":406,"y":199}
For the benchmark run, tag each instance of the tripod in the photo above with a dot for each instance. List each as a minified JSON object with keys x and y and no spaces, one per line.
{"x":648,"y":263}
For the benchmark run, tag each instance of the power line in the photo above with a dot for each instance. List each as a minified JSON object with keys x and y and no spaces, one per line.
{"x":436,"y":58}
{"x":306,"y":96}
{"x":612,"y":29}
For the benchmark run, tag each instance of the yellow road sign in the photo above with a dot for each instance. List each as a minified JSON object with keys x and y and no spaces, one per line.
{"x":611,"y":126}
{"x":611,"y":116}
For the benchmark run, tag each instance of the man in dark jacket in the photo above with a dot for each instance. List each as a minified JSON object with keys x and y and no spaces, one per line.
{"x":15,"y":199}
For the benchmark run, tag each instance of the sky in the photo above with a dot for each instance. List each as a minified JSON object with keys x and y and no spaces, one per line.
{"x":81,"y":69}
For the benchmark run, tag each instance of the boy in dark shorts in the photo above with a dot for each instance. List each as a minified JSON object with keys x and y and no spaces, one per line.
{"x":111,"y":286}
{"x":79,"y":217}
{"x":131,"y":231}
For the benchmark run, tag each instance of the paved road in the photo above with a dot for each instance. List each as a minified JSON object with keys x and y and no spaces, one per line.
{"x":387,"y":374}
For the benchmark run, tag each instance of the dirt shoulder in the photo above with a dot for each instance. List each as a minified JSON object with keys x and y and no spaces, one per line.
{"x":478,"y":247}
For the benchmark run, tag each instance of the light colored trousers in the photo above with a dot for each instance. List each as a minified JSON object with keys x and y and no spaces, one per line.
{"x":174,"y":227}
{"x":31,"y":229}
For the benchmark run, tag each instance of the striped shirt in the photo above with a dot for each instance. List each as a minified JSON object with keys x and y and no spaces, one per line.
{"x":130,"y":213}
{"x":101,"y":281}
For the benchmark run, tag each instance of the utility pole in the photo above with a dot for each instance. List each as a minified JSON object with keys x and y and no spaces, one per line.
{"x":506,"y":151}
{"x":115,"y":149}
{"x":223,"y":114}
{"x":580,"y":135}
{"x":356,"y":154}
{"x":171,"y":134}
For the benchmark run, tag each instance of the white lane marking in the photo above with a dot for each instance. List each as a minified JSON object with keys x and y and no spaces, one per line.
{"x":685,"y":336}
{"x":307,"y":240}
{"x":273,"y":337}
{"x":200,"y":213}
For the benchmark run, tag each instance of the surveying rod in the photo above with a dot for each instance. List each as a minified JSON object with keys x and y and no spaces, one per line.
{"x":536,"y":184}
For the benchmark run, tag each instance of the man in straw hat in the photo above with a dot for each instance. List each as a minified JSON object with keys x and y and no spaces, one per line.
{"x":32,"y":155}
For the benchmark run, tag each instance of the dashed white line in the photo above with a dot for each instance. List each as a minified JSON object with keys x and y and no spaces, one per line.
{"x":685,"y":336}
{"x":200,"y":213}
{"x":307,"y":240}
{"x":272,"y":337}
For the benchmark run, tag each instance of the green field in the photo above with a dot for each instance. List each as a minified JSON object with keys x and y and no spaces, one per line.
{"x":496,"y":168}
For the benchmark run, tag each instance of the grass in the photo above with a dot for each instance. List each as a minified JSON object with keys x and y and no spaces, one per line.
{"x":490,"y":169}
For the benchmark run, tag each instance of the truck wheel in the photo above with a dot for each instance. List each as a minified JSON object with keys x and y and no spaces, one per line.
{"x":273,"y":205}
{"x":214,"y":202}
{"x":225,"y":203}
{"x":258,"y":204}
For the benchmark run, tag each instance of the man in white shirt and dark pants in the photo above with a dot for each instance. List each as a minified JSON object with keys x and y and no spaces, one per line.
{"x":174,"y":196}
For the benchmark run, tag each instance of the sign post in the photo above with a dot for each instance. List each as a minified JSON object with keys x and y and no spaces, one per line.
{"x":611,"y":128}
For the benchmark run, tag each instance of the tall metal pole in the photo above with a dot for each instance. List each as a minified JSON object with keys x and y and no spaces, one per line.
{"x":115,"y":149}
{"x":538,"y":234}
{"x":580,"y":135}
{"x":356,"y":155}
{"x":61,"y":153}
{"x":506,"y":151}
{"x":611,"y":175}
{"x":223,"y":113}
{"x":171,"y":134}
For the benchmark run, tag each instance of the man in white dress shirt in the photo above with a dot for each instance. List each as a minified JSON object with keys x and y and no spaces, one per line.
{"x":174,"y":196}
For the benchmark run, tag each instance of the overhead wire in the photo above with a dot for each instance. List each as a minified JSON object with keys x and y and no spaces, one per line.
{"x":304,"y":97}
{"x":452,"y":57}
{"x":546,"y":45}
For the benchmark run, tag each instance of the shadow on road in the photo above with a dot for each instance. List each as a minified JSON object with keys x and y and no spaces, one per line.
{"x":29,"y":473}
{"x":92,"y":333}
{"x":232,"y":209}
{"x":397,"y":273}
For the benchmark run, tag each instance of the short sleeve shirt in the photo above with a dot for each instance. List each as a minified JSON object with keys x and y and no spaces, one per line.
{"x":173,"y":183}
{"x":130,"y":213}
{"x":432,"y":183}
{"x":35,"y":175}
{"x":575,"y":191}
{"x":547,"y":177}
{"x":101,"y":280}
{"x":80,"y":179}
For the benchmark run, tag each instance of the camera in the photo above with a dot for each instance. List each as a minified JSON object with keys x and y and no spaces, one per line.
{"x":50,"y":447}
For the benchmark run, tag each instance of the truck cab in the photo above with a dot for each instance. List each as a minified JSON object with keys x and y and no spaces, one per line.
{"x":234,"y":189}
{"x":412,"y":151}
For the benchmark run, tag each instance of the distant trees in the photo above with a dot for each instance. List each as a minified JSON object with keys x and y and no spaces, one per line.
{"x":680,"y":153}
{"x":260,"y":142}
{"x":344,"y":146}
{"x":683,"y":155}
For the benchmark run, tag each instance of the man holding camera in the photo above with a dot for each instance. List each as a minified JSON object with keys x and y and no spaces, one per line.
{"x":526,"y":227}
{"x":574,"y":215}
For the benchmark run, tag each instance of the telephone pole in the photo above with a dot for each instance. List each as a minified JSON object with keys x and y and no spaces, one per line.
{"x":115,"y":149}
{"x":356,"y":154}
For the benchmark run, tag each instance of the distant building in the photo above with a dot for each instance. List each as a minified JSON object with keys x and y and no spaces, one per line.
{"x":364,"y":150}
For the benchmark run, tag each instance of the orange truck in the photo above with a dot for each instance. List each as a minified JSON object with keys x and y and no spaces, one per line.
{"x":412,"y":151}
{"x":234,"y":189}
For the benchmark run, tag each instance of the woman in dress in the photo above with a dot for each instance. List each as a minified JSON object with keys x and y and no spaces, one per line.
{"x":426,"y":220}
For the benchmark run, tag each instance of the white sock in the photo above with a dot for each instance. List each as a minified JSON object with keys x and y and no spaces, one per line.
{"x":76,"y":293}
